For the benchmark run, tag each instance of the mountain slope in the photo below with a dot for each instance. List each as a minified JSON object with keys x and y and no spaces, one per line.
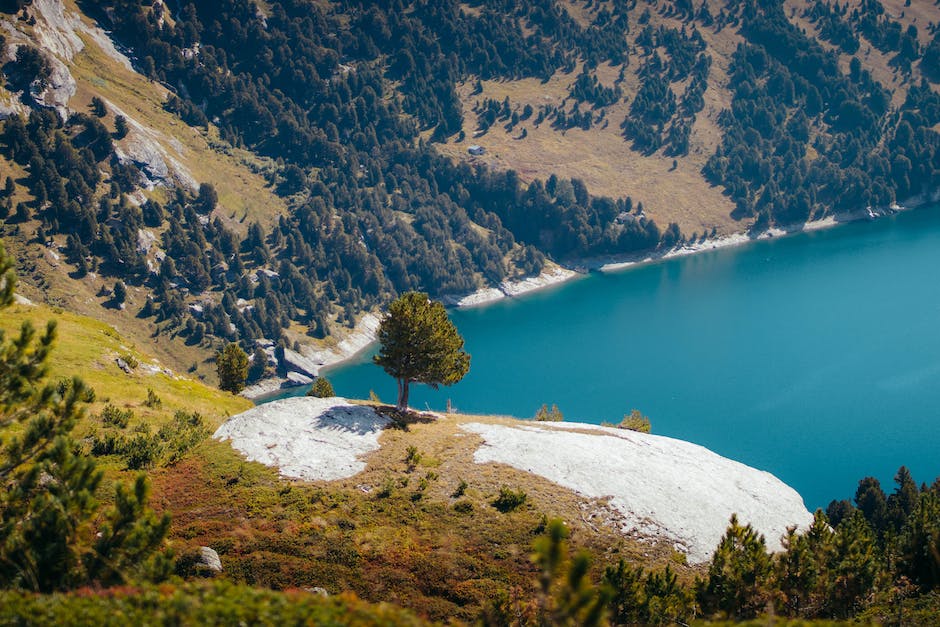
{"x":301,"y":163}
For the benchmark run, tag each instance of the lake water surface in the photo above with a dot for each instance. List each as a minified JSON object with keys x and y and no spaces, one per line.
{"x":815,"y":357}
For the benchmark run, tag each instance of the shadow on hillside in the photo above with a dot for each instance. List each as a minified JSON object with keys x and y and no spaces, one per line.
{"x":404,"y":419}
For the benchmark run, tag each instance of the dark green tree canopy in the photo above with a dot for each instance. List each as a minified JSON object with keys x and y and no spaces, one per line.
{"x":232,"y":365}
{"x":322,"y":388}
{"x":420,"y":345}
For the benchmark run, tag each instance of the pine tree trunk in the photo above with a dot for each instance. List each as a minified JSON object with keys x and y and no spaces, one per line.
{"x":403,"y":394}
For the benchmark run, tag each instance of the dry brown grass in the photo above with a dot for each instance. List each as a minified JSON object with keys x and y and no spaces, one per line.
{"x":448,"y":450}
{"x":919,"y":14}
{"x":605,"y":162}
{"x":579,"y":11}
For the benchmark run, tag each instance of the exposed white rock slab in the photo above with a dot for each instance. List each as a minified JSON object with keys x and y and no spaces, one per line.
{"x":55,"y":31}
{"x":296,"y":379}
{"x":306,"y":438}
{"x":666,"y":488}
{"x":659,"y":487}
{"x":549,"y":276}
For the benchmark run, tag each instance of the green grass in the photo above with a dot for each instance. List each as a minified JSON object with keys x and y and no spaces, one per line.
{"x":90,"y":349}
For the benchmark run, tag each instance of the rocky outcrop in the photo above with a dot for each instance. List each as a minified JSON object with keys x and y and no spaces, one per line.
{"x":298,"y":363}
{"x":62,"y":33}
{"x":57,"y":90}
{"x":297,"y":379}
{"x":306,"y":437}
{"x":145,"y":148}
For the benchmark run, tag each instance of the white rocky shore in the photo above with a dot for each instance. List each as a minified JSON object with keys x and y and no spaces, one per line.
{"x":365,"y":332}
{"x":310,"y":362}
{"x":551,"y":275}
{"x":615,"y":263}
{"x":661,"y":488}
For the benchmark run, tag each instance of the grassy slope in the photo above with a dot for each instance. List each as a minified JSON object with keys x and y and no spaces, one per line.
{"x":89,"y":348}
{"x":601,"y":157}
{"x":243,"y":193}
{"x":409,"y":546}
{"x":872,"y":59}
{"x":392,"y":532}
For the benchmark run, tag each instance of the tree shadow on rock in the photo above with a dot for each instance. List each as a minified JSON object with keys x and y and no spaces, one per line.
{"x":402,"y":420}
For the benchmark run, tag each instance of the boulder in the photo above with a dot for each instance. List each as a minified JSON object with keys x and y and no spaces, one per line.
{"x":295,"y":379}
{"x":208,"y":562}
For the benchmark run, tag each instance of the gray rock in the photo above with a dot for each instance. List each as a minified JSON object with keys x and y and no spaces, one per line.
{"x":295,"y":379}
{"x":208,"y":561}
{"x":304,"y":365}
{"x":318,"y":591}
{"x":57,"y":90}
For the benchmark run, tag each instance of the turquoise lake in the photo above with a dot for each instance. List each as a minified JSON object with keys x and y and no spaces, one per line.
{"x":815,"y":357}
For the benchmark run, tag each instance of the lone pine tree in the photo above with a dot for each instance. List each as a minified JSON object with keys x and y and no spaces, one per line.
{"x":420,"y":345}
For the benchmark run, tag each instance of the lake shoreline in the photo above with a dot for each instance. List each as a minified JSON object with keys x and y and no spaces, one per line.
{"x":360,"y":338}
{"x":616,"y":263}
{"x":365,"y":333}
{"x":564,"y":272}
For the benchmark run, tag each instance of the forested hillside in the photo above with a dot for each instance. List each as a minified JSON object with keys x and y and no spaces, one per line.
{"x":604,"y":125}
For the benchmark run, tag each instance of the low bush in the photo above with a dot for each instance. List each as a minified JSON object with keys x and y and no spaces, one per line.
{"x":114,"y":416}
{"x":153,"y":401}
{"x":463,"y":506}
{"x":209,"y":603}
{"x":634,"y":421}
{"x":544,"y":414}
{"x":509,"y":499}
